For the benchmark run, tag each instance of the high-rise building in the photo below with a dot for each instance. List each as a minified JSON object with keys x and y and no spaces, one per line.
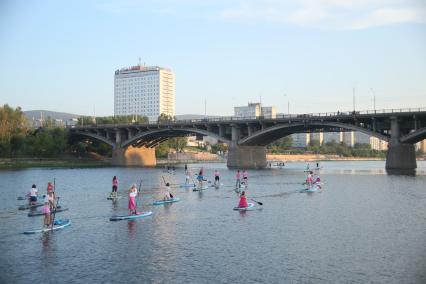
{"x":255,"y":110}
{"x":144,"y":91}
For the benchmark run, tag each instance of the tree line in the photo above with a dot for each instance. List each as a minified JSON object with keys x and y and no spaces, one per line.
{"x":19,"y":140}
{"x":284,"y":145}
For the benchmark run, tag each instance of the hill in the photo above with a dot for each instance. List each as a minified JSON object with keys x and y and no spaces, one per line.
{"x":36,"y":114}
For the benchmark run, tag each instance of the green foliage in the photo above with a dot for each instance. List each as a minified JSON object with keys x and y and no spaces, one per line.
{"x":165,"y":118}
{"x":118,"y":119}
{"x":219,"y":147}
{"x":13,"y":125}
{"x":280,"y":145}
{"x":176,"y":143}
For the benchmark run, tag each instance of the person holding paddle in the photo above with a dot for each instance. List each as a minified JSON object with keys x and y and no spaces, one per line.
{"x":133,"y":192}
{"x":200,"y":178}
{"x":51,"y":188}
{"x":168,"y":195}
{"x":243,"y":200}
{"x":48,"y":207}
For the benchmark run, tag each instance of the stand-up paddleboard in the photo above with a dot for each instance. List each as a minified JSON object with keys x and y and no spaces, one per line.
{"x":129,"y":217}
{"x":40,"y":213}
{"x":58,"y":224}
{"x":314,"y":188}
{"x":27,"y":206}
{"x":250,"y":207}
{"x":162,"y":202}
{"x":201,"y":188}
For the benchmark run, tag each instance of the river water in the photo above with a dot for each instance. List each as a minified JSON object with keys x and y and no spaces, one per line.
{"x":363,"y":227}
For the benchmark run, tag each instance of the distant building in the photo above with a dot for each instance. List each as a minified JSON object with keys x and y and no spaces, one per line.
{"x":378,"y":144}
{"x":255,"y":110}
{"x":350,"y":138}
{"x":422,"y":146}
{"x":300,"y":140}
{"x":145,"y":91}
{"x":331,"y":136}
{"x":317,"y":136}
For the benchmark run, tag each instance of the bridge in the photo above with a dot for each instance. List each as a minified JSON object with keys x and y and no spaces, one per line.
{"x":134,"y":144}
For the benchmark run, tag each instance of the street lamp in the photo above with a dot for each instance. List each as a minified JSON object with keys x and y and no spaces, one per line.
{"x":288,"y":104}
{"x":374,"y":99}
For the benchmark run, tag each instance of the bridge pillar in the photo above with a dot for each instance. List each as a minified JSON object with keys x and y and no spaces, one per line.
{"x":400,"y":157}
{"x":132,"y":156}
{"x":246,"y":157}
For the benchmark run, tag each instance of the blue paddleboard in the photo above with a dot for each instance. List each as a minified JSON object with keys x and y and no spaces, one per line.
{"x":129,"y":217}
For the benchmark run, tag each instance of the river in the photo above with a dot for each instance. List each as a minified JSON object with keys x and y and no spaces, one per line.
{"x":363,"y":227}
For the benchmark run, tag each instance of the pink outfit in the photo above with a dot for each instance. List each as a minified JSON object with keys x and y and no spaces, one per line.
{"x":243,"y":202}
{"x":132,"y":201}
{"x":46,"y":209}
{"x":245,"y":175}
{"x":115,"y":182}
{"x":238,"y":175}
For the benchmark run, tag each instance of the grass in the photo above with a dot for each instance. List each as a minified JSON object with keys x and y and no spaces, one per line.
{"x":51,"y":163}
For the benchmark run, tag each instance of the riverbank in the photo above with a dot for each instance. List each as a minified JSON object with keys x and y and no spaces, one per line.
{"x":315,"y":157}
{"x":22,"y":163}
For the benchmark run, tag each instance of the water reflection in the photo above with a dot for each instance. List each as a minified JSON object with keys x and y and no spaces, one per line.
{"x":401,"y":172}
{"x":131,"y":227}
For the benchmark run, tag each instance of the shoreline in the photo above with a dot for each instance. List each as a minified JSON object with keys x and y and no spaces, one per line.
{"x":24,"y":163}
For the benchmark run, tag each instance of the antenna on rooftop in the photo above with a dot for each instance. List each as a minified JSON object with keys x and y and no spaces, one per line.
{"x":140,"y":61}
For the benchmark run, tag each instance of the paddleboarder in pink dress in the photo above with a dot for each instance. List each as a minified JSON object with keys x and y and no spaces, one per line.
{"x":243,"y":200}
{"x":133,"y":192}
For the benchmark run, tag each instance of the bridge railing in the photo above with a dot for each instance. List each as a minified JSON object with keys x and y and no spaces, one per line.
{"x":278,"y":116}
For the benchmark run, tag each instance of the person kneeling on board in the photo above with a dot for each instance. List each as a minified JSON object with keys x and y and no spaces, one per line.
{"x":168,"y":195}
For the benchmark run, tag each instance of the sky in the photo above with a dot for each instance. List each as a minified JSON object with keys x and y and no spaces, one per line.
{"x":308,"y":55}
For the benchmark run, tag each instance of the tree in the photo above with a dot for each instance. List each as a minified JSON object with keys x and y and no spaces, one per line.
{"x":178,"y":143}
{"x":165,"y":118}
{"x":13,"y":125}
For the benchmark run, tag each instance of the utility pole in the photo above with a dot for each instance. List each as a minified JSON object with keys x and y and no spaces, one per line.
{"x":353,"y":97}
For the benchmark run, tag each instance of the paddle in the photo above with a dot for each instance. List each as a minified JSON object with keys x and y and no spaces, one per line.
{"x":260,"y":203}
{"x":164,"y":180}
{"x":140,"y":185}
{"x":54,"y":212}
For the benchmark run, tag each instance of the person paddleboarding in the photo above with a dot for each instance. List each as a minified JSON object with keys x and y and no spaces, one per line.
{"x":243,"y":200}
{"x":33,"y":195}
{"x":245,"y":178}
{"x":238,"y":180}
{"x":133,"y":192}
{"x":216,"y":178}
{"x":168,"y":195}
{"x":114,"y":186}
{"x":48,"y":207}
{"x":200,"y":178}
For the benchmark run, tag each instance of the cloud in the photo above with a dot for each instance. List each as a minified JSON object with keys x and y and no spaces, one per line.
{"x":328,"y":14}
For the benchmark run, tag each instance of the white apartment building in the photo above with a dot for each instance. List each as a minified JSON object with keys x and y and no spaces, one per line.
{"x":144,"y":91}
{"x":378,"y":144}
{"x":332,"y":136}
{"x":300,"y":140}
{"x":350,"y":138}
{"x":254,"y":110}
